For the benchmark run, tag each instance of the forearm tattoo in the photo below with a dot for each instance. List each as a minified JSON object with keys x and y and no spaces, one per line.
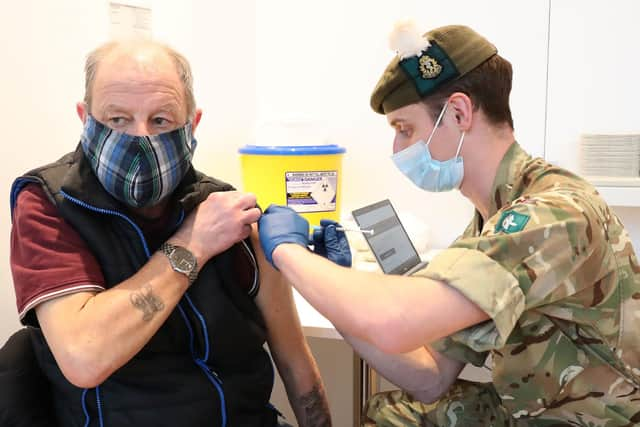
{"x":314,"y":408}
{"x":147,"y":302}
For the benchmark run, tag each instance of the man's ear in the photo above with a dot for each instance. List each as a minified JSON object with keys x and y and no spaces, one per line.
{"x":461,"y":107}
{"x":196,"y":119}
{"x":83,"y":111}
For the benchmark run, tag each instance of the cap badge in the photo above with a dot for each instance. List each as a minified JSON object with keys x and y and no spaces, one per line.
{"x":429,"y":67}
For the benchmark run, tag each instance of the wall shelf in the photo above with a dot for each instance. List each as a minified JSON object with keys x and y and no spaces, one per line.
{"x":620,"y":196}
{"x":618,"y":191}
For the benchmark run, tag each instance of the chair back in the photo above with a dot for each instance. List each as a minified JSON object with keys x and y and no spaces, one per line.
{"x":25,"y":393}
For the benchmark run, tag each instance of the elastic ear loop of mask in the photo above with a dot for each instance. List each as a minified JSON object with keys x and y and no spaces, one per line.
{"x":460,"y":143}
{"x":438,"y":120}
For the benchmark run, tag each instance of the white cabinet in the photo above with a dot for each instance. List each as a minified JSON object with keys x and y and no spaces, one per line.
{"x":593,"y":81}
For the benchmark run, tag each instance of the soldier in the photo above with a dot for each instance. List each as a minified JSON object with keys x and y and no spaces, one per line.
{"x":544,"y":278}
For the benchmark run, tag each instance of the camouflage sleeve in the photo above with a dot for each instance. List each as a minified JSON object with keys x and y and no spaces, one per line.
{"x":531,"y":253}
{"x":459,"y":350}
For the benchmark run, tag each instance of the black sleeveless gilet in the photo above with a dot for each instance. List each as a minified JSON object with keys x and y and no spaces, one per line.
{"x":206,"y":366}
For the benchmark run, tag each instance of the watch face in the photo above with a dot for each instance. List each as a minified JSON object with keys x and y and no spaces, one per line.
{"x":182,"y":260}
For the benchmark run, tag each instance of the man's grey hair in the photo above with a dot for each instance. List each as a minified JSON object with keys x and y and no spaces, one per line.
{"x":182,"y":66}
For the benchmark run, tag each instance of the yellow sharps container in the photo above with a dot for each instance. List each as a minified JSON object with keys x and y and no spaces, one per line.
{"x":305,"y":178}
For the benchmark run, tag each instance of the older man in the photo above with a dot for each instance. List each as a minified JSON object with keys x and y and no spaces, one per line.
{"x":147,"y":293}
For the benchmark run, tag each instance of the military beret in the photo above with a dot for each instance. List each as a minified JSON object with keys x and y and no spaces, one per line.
{"x":426,"y":62}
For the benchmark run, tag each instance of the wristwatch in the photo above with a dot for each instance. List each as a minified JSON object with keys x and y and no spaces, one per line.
{"x":181,"y":260}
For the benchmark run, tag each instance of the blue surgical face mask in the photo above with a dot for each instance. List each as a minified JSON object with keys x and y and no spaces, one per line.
{"x":416,"y":163}
{"x":138,"y":171}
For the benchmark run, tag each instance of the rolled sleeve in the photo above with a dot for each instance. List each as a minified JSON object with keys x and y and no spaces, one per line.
{"x":486,"y":283}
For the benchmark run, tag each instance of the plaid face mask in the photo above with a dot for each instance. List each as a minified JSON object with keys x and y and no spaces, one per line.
{"x":138,"y":171}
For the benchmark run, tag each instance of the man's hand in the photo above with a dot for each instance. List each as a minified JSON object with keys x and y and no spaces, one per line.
{"x":280,"y":224}
{"x":221,"y":220}
{"x":331,"y":243}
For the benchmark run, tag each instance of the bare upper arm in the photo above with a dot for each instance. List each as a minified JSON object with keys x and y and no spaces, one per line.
{"x":55,"y":316}
{"x":275,"y":297}
{"x":285,"y":337}
{"x":287,"y":343}
{"x":56,"y":319}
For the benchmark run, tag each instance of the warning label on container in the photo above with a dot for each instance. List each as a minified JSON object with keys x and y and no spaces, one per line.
{"x":311,"y":191}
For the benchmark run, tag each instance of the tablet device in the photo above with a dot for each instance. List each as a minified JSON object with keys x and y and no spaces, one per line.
{"x":389,"y":242}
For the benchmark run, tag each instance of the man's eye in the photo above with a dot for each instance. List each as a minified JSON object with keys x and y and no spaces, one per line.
{"x":160,"y":121}
{"x":117,"y":121}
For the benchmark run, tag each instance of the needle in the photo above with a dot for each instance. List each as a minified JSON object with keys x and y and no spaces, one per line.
{"x":357,"y":230}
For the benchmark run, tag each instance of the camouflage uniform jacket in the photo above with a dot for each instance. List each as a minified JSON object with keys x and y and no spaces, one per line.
{"x":555,"y":270}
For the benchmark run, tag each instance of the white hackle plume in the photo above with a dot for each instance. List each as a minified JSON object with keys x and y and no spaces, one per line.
{"x":406,"y":40}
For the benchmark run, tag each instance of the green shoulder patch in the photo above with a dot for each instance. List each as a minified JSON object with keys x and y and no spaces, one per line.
{"x":511,"y":222}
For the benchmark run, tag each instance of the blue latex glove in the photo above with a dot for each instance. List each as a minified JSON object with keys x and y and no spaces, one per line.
{"x":331,"y":243}
{"x":280,"y":224}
